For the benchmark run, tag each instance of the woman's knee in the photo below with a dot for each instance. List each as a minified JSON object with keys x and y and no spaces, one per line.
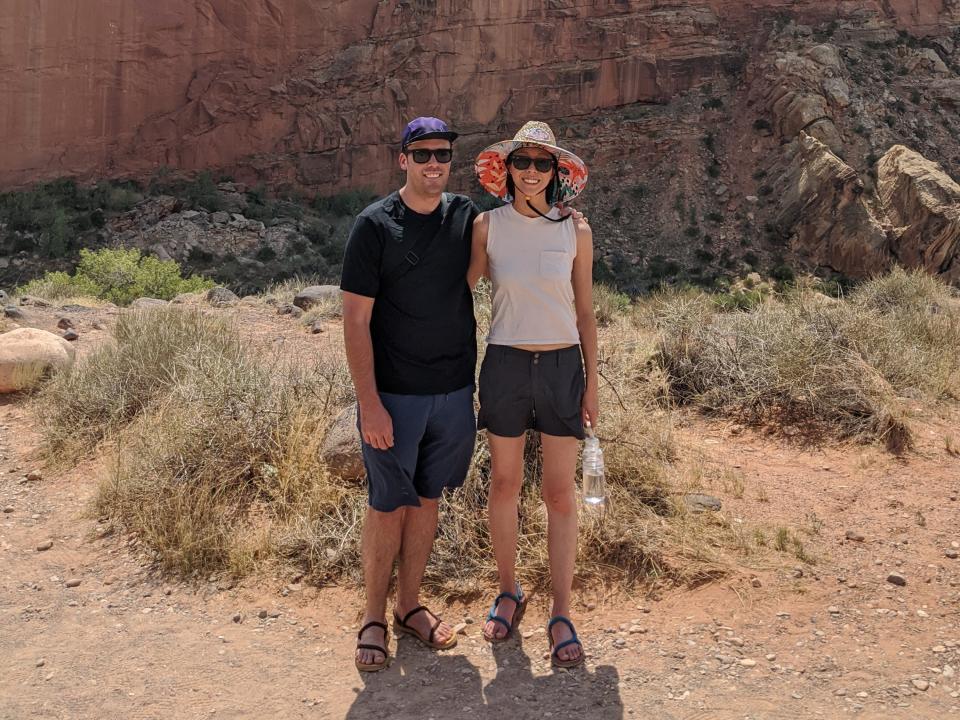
{"x":505,"y":486}
{"x":560,"y":497}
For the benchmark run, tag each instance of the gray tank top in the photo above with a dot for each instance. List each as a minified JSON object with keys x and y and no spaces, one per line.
{"x":531,"y":266}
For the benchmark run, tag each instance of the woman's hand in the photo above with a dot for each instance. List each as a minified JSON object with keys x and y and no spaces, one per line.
{"x":590,"y":407}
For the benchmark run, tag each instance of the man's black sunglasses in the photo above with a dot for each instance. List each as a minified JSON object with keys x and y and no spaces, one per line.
{"x":522,"y":162}
{"x":420,"y":156}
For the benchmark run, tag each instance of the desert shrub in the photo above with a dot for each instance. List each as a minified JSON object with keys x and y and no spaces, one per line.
{"x":786,"y":362}
{"x":345,"y":204}
{"x":119,"y":276}
{"x":608,"y":303}
{"x":907,"y":325}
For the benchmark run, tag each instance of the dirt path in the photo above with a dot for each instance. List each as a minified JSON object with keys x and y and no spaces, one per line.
{"x":839,"y":640}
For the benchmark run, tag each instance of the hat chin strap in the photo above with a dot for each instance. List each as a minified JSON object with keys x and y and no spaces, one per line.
{"x":545,"y":217}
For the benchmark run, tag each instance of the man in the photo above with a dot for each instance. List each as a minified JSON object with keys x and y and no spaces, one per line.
{"x":410,"y":338}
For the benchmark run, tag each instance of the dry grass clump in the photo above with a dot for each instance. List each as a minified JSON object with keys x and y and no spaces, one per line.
{"x":150,"y":352}
{"x":907,"y":326}
{"x":790,"y":361}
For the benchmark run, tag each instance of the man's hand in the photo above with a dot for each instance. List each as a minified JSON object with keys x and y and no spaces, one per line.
{"x":577,"y":215}
{"x":376,"y":425}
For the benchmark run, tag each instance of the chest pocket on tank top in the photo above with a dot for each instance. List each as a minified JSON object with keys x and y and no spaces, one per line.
{"x":554,"y":264}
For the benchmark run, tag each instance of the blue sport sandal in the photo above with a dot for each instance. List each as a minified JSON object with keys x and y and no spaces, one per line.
{"x":521,"y":604}
{"x":554,"y":658}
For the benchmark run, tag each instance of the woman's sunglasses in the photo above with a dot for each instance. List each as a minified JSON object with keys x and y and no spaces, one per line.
{"x":420,"y":156}
{"x":522,"y":162}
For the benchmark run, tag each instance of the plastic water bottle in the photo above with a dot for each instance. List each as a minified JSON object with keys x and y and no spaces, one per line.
{"x":594,"y":487}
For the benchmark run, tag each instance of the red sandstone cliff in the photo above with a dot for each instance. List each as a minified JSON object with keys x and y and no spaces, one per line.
{"x":312,"y":92}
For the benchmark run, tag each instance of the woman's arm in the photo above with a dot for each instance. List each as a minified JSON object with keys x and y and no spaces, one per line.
{"x":478,"y":251}
{"x":586,"y":320}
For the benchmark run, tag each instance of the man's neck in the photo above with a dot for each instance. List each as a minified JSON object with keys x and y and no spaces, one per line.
{"x":423,"y":204}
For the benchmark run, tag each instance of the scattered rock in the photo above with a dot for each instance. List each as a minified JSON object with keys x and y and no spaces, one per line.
{"x":8,"y":509}
{"x":72,"y":582}
{"x":951,"y":553}
{"x":45,"y":545}
{"x":99,"y":325}
{"x":896,"y":579}
{"x":34,"y":476}
{"x":237,"y":617}
{"x":65,"y":323}
{"x":699,"y":503}
{"x":70,"y":335}
{"x":318,"y":327}
{"x":291,"y":310}
{"x":920,"y":684}
{"x":854,"y":536}
{"x":316,"y":294}
{"x":148,"y":303}
{"x":13,"y":312}
{"x":755,"y":582}
{"x":748,"y":662}
{"x":41,"y":662}
{"x":262,"y":614}
{"x":460,"y":629}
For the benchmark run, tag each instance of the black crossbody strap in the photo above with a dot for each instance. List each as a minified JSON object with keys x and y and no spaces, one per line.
{"x":419,"y":248}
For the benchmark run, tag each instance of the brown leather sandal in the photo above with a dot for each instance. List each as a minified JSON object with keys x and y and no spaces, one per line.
{"x":372,"y":667}
{"x":401,"y":626}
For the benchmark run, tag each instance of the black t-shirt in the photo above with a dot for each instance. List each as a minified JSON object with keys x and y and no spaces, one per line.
{"x":422,"y":327}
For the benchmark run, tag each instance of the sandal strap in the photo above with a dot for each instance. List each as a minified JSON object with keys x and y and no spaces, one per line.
{"x":368,"y":646}
{"x":561,"y":619}
{"x":418,"y":608}
{"x":502,"y":621}
{"x":566,"y":643}
{"x":372,"y":623}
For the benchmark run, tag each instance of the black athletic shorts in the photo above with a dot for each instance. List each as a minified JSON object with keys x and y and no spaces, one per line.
{"x":524,"y":390}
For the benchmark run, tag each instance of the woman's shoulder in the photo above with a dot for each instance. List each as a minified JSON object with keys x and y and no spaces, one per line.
{"x":582,"y":227}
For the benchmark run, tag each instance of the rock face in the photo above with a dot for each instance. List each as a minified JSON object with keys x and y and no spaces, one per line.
{"x":341,"y":447}
{"x":823,"y":211}
{"x":922,"y":203}
{"x":314,"y":93}
{"x":28,"y":354}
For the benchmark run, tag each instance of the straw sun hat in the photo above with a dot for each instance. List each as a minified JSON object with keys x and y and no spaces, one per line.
{"x":491,"y":163}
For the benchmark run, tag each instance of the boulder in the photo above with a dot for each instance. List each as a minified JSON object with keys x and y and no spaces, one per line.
{"x":147,"y":304}
{"x":822,"y":212}
{"x":922,"y":203}
{"x":315,"y":294}
{"x":341,"y":447}
{"x":27,"y":355}
{"x":221,"y":296}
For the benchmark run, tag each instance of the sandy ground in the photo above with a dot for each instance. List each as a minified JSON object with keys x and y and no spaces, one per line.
{"x":88,"y":630}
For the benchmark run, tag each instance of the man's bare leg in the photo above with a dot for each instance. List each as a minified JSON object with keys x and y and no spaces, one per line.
{"x":382,"y":535}
{"x":419,"y":531}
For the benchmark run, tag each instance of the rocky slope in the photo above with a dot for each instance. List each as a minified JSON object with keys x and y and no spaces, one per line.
{"x":689,"y":114}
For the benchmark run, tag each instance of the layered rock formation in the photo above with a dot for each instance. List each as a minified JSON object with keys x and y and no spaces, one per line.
{"x":311,"y":93}
{"x":723,"y":137}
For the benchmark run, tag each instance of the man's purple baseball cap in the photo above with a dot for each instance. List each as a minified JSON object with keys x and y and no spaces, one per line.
{"x":426,"y":128}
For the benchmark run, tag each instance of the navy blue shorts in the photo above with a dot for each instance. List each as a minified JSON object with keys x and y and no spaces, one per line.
{"x":433,"y":438}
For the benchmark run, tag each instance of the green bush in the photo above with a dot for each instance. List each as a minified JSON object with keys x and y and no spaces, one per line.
{"x":120,"y":276}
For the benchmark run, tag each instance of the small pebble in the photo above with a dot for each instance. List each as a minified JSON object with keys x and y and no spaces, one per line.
{"x":8,"y":509}
{"x":45,"y":545}
{"x":748,"y":662}
{"x":952,"y":554}
{"x":72,"y":582}
{"x":237,"y":617}
{"x":854,"y":536}
{"x":896,"y":579}
{"x":41,"y":662}
{"x":920,"y":684}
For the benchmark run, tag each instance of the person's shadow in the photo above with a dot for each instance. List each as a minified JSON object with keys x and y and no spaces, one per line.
{"x":517,"y":694}
{"x":420,"y":684}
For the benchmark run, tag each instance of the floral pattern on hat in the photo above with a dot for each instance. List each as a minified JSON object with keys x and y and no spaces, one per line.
{"x":491,"y":163}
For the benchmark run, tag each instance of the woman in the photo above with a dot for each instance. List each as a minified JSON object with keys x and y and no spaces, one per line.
{"x":542,"y":335}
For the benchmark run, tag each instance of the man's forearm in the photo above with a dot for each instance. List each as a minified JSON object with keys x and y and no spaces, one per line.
{"x":359,"y":347}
